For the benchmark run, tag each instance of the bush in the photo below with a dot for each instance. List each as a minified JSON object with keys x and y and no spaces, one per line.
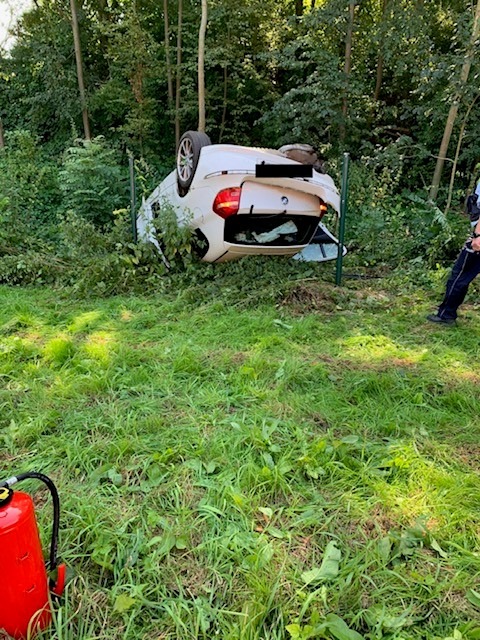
{"x":93,"y":182}
{"x":29,"y":190}
{"x":91,"y":247}
{"x":19,"y":239}
{"x":31,"y":267}
{"x":90,"y":260}
{"x":106,"y":262}
{"x":177,"y":242}
{"x":390,"y":226}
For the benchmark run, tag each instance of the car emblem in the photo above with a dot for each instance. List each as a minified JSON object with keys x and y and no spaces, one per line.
{"x":284,"y":200}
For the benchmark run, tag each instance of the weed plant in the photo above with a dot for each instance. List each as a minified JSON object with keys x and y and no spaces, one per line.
{"x":251,"y":453}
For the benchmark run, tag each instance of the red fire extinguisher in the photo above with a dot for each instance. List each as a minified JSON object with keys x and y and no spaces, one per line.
{"x":24,"y":583}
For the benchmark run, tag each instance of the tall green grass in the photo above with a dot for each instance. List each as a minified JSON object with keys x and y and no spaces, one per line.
{"x":251,"y":458}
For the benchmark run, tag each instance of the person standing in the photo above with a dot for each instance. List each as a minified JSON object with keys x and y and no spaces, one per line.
{"x":465,"y":269}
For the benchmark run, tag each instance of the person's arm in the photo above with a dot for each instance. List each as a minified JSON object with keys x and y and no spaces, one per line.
{"x":476,"y":241}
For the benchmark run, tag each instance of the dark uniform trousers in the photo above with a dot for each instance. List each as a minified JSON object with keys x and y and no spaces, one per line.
{"x":465,"y":269}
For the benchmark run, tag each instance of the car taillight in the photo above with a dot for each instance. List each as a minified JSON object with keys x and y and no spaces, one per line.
{"x":323,"y":209}
{"x":227,"y":202}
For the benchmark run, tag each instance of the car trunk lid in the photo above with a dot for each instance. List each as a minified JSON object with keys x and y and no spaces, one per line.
{"x":260,"y":198}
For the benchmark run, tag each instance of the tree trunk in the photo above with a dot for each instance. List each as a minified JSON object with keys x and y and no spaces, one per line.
{"x":178,"y":85}
{"x":452,"y":114}
{"x":224,"y":110}
{"x":348,"y":63}
{"x":299,"y":8}
{"x":168,"y":60}
{"x":78,"y":59}
{"x":201,"y":67}
{"x":457,"y":153}
{"x":380,"y":59}
{"x":378,"y":83}
{"x":2,"y":138}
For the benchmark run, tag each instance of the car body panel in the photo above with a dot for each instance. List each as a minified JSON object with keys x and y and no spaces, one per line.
{"x":276,"y":216}
{"x":259,"y":198}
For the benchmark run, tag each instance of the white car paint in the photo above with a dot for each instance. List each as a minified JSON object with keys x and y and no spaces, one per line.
{"x":225,"y":166}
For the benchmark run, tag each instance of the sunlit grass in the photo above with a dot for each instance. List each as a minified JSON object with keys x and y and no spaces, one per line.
{"x":208,"y":449}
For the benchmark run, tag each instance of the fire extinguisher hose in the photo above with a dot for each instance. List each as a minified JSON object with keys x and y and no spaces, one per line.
{"x":34,"y":475}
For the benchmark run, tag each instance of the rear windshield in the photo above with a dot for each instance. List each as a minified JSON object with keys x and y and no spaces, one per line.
{"x":277,"y":230}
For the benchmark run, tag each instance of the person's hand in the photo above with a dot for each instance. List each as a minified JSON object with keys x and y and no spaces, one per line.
{"x":476,"y":244}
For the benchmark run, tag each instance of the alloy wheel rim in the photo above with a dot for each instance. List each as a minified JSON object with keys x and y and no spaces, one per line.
{"x":185,"y":160}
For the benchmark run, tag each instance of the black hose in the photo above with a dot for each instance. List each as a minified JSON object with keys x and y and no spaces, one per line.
{"x":34,"y":475}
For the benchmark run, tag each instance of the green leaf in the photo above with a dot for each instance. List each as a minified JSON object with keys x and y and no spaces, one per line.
{"x":115,"y":477}
{"x":436,"y":547}
{"x":340,"y":630}
{"x":311,"y":576}
{"x":165,"y":543}
{"x":181,"y":543}
{"x":329,"y":567}
{"x":294,"y":630}
{"x":102,"y":553}
{"x":474,"y":597}
{"x":385,"y":548}
{"x":269,"y":462}
{"x":155,"y":540}
{"x":123,"y":603}
{"x":211,"y":467}
{"x":280,"y":323}
{"x":303,"y":633}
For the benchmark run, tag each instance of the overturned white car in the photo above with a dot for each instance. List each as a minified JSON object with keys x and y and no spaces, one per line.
{"x":244,"y":201}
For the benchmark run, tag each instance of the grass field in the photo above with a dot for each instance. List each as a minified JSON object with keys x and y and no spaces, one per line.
{"x":252,"y":461}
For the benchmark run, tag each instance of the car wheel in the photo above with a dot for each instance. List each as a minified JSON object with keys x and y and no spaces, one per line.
{"x":187,"y":158}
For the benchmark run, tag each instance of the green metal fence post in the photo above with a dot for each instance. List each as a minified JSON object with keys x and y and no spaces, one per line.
{"x":343,"y":215}
{"x":133,"y":196}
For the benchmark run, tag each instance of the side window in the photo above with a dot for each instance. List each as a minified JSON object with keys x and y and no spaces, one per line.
{"x":155,"y":209}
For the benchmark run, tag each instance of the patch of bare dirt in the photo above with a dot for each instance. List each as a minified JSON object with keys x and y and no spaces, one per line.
{"x":303,"y":549}
{"x":378,"y":524}
{"x":466,"y":376}
{"x":310,"y":296}
{"x":469,"y":455}
{"x":193,"y":578}
{"x":340,"y":364}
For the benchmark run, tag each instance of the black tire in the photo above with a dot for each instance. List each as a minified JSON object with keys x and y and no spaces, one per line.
{"x":188,"y":154}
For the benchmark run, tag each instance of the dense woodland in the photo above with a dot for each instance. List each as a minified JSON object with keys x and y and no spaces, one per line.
{"x":393,"y":82}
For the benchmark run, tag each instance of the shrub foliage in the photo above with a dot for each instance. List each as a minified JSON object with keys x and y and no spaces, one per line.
{"x":68,"y":224}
